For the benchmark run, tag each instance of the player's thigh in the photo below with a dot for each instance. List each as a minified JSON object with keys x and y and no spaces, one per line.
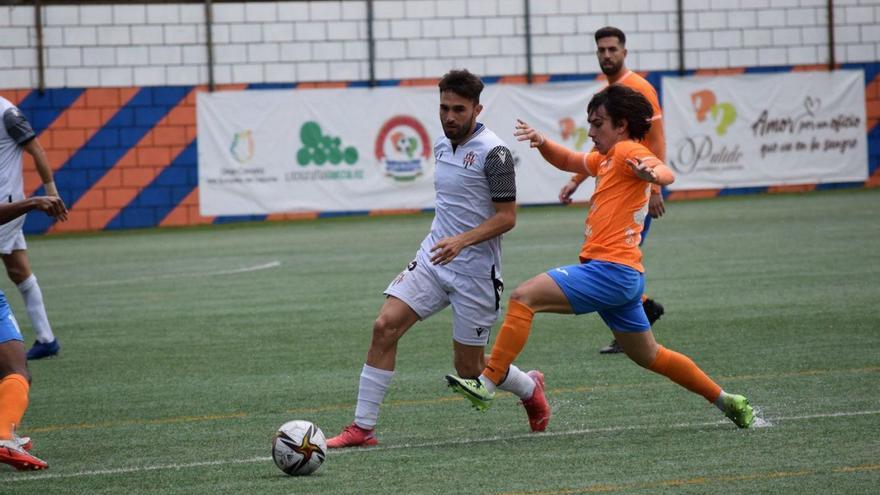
{"x":419,"y":288}
{"x":543,"y":294}
{"x":12,"y":237}
{"x":475,"y":308}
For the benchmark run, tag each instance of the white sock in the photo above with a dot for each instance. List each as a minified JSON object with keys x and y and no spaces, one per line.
{"x":517,"y":382}
{"x":33,"y":301}
{"x":371,"y":392}
{"x":719,"y":402}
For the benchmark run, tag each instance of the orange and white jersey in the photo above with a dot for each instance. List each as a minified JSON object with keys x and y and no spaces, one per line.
{"x":618,"y":206}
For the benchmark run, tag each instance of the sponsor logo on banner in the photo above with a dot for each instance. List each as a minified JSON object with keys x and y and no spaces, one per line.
{"x":402,"y":148}
{"x":321,"y":157}
{"x":708,"y":150}
{"x":578,"y":136}
{"x":242,"y":147}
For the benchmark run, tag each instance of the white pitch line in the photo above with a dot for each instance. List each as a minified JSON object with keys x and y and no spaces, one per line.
{"x":424,"y":445}
{"x":233,"y":271}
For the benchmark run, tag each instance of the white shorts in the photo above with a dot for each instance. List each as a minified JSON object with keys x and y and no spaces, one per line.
{"x":11,"y":236}
{"x":428,"y":288}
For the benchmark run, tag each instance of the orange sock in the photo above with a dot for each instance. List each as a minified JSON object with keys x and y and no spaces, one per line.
{"x":13,"y":402}
{"x":511,"y":340}
{"x":682,"y":370}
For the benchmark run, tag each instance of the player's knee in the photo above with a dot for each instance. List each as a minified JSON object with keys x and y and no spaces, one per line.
{"x":17,"y":274}
{"x":14,"y":370}
{"x":521,"y":295}
{"x":385,"y":332}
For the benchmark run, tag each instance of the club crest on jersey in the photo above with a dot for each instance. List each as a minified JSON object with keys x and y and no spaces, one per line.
{"x":403,"y":150}
{"x":469,"y":159}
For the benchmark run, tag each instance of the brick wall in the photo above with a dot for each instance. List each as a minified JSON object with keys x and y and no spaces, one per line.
{"x":267,"y":42}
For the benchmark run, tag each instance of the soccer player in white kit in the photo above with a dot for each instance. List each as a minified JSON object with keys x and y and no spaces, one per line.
{"x":16,"y":137}
{"x":457,"y":264}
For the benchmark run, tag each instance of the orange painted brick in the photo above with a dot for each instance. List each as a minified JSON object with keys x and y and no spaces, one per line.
{"x":178,"y":217}
{"x":77,"y":221}
{"x":153,"y":156}
{"x":169,"y":135}
{"x":138,"y":177}
{"x":183,"y":117}
{"x":195,"y":218}
{"x":192,"y":198}
{"x":68,"y":138}
{"x":126,"y":94}
{"x":128,"y":160}
{"x":102,"y":97}
{"x":120,"y":197}
{"x":56,"y":157}
{"x":191,"y":133}
{"x":88,"y":118}
{"x":108,"y":113}
{"x":92,"y":200}
{"x":98,"y":219}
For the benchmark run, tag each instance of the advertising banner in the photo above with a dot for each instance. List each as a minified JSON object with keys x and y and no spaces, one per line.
{"x":355,"y":149}
{"x":756,"y":130}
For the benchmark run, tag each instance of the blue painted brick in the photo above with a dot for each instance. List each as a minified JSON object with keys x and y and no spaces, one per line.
{"x":129,"y":136}
{"x":42,"y":118}
{"x":148,"y":116}
{"x":172,"y":176}
{"x":64,"y":97}
{"x":107,"y":138}
{"x":74,"y":179}
{"x":95,"y":174}
{"x":35,"y":100}
{"x":138,"y":217}
{"x":178,"y":193}
{"x":154,"y":196}
{"x":122,"y":118}
{"x":169,"y":95}
{"x":86,"y":158}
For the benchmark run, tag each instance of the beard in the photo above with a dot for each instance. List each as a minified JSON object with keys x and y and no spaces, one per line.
{"x":611,"y":69}
{"x":458,"y":134}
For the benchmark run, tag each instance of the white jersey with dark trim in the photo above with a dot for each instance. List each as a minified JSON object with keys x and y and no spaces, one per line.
{"x":14,"y":132}
{"x":467,"y":180}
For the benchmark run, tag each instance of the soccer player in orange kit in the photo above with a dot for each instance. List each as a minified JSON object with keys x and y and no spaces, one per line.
{"x":611,"y":52}
{"x":610,"y":278}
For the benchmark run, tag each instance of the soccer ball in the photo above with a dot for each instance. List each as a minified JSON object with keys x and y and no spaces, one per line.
{"x":299,"y":448}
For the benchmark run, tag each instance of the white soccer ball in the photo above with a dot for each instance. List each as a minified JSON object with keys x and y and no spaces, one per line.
{"x":299,"y":448}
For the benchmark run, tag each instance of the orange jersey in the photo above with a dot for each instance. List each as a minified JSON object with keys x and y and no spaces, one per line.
{"x":618,"y":206}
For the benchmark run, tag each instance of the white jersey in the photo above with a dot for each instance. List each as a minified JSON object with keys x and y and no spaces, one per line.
{"x":14,"y":132}
{"x":467,"y":180}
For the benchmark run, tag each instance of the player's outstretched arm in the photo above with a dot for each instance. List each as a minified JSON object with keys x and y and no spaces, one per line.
{"x":50,"y":205}
{"x":652,"y":170}
{"x":557,"y":155}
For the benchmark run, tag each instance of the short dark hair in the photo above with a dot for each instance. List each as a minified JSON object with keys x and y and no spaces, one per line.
{"x":462,"y":83}
{"x":622,"y":103}
{"x":609,"y":31}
